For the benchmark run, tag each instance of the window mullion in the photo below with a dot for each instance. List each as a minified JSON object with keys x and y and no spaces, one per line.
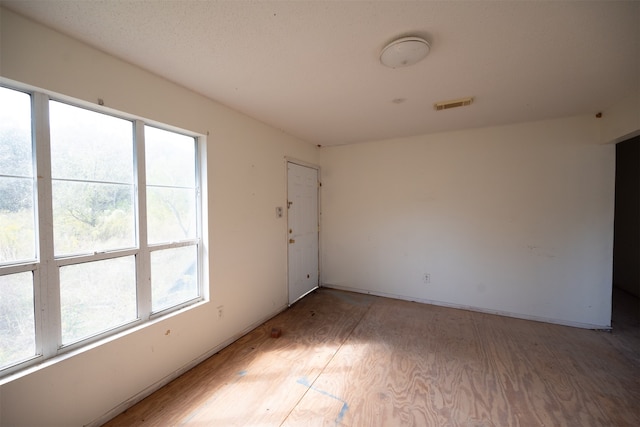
{"x":143,"y":264}
{"x":201,"y":201}
{"x":47,"y":289}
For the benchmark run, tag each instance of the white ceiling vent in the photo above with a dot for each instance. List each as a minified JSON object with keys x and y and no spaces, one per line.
{"x":445,"y":105}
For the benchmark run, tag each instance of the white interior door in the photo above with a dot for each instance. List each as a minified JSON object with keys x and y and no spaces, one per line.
{"x":302,"y":195}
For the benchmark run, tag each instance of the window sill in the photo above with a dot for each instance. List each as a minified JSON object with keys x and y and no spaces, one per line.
{"x":68,"y":354}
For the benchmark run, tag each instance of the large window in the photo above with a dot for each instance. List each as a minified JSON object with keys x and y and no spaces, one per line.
{"x":100,"y":225}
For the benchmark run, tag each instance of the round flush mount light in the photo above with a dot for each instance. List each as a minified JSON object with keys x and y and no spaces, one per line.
{"x":404,"y":52}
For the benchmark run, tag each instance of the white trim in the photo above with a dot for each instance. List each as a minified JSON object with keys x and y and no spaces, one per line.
{"x":46,"y":282}
{"x":18,"y":268}
{"x":472,"y":308}
{"x":143,"y":263}
{"x":98,"y":256}
{"x":298,"y":162}
{"x":171,"y":245}
{"x":202,"y":202}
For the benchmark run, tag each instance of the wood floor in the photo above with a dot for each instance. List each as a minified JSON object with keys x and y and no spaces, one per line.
{"x":348,"y":359}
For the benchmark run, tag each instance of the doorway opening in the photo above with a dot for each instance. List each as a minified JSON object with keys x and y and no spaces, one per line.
{"x":625,"y":309}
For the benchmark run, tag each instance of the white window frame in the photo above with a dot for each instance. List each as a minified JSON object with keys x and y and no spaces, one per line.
{"x":45,"y":269}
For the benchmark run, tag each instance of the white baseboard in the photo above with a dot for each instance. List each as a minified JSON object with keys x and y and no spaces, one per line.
{"x":472,"y":308}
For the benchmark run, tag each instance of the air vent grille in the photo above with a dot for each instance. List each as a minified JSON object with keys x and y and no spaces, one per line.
{"x":445,"y":105}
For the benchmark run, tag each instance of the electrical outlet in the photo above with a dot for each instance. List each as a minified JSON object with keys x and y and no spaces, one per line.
{"x":427,"y":278}
{"x":220,"y":311}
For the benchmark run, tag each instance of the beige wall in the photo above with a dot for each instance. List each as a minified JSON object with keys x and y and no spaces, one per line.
{"x":247,"y":246}
{"x":513,"y":219}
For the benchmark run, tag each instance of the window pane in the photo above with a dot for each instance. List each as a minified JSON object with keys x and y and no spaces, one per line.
{"x":92,"y":170}
{"x":171,"y":214}
{"x":96,"y":296}
{"x":171,"y":186}
{"x":92,"y":217}
{"x":174,"y":276}
{"x":90,"y":146}
{"x":170,"y":158}
{"x":17,"y":320}
{"x":17,"y":219}
{"x":15,"y":133}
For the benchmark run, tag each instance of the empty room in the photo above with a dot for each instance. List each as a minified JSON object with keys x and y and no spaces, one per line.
{"x":354,"y":213}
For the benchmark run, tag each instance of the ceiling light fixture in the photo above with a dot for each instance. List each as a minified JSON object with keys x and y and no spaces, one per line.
{"x":404,"y":52}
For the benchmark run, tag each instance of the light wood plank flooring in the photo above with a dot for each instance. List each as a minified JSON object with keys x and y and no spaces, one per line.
{"x":348,"y":359}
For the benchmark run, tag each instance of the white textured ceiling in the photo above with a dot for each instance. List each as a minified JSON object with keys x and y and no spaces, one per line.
{"x":311,"y":68}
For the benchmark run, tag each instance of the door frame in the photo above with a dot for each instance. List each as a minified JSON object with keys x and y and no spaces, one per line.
{"x":303,"y":163}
